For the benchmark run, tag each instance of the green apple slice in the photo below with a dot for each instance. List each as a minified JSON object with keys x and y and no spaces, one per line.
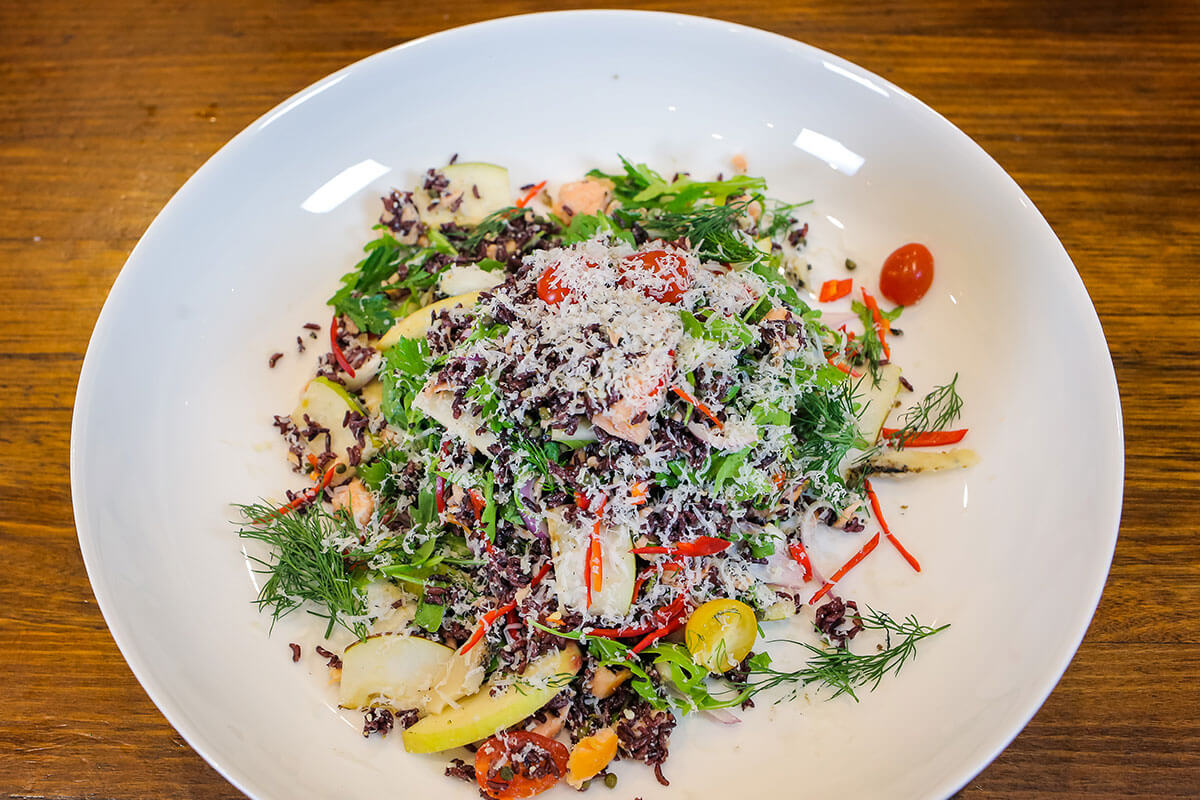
{"x":499,"y":704}
{"x":398,"y":670}
{"x":416,"y":324}
{"x":326,"y":403}
{"x":569,"y":547}
{"x":476,"y":189}
{"x":877,"y":401}
{"x":407,"y":672}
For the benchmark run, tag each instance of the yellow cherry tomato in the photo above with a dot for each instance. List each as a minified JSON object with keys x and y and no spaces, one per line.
{"x":720,"y":633}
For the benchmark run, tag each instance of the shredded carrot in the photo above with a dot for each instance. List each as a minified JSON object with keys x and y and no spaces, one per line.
{"x":637,"y":493}
{"x":594,"y":576}
{"x":849,"y":565}
{"x":486,"y":623}
{"x":703,"y":409}
{"x":338,"y":355}
{"x":882,"y":326}
{"x":532,"y":193}
{"x":912,"y":562}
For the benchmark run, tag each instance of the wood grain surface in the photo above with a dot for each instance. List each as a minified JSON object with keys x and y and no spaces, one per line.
{"x":1094,"y":108}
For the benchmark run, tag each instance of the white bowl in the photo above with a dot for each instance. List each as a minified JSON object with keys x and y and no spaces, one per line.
{"x":172,"y":418}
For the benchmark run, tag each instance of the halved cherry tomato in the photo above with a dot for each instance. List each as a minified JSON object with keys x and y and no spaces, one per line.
{"x":907,"y":274}
{"x":503,"y":778}
{"x":671,"y":277}
{"x":550,"y":289}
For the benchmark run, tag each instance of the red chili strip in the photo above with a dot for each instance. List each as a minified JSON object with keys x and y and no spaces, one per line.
{"x":440,"y":494}
{"x":800,"y":556}
{"x":912,"y":562}
{"x":306,"y":497}
{"x":703,"y":409}
{"x":338,"y":355}
{"x":882,"y":327}
{"x":701,"y":546}
{"x":541,"y":573}
{"x":477,"y":503}
{"x":849,"y":565}
{"x":835,"y":290}
{"x":662,"y":616}
{"x":654,"y":636}
{"x":486,"y":623}
{"x":926,"y":438}
{"x":532,"y":193}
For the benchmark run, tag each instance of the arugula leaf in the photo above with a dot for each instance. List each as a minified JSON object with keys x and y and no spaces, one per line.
{"x":641,"y":187}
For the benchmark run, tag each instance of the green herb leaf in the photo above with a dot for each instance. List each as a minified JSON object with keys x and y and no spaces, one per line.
{"x":844,"y":671}
{"x":429,"y":616}
{"x":937,"y":411}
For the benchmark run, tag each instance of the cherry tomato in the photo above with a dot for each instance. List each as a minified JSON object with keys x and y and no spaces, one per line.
{"x":549,"y":287}
{"x":670,"y":276}
{"x":907,"y":274}
{"x":720,"y":633}
{"x":503,"y":778}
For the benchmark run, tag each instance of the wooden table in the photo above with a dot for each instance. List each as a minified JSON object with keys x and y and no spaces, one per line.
{"x":105,"y":109}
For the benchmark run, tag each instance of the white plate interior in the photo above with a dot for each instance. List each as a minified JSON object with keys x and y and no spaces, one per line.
{"x":172,"y":420}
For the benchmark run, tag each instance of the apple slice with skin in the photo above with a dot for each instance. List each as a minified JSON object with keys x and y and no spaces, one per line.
{"x":399,"y":670}
{"x":483,"y":713}
{"x":407,"y":672}
{"x":475,"y":190}
{"x":326,"y":403}
{"x":416,"y":324}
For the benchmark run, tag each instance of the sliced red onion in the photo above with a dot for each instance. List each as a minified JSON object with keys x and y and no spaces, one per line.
{"x":536,"y":526}
{"x":723,"y":716}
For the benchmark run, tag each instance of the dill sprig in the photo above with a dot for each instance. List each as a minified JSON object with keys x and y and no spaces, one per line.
{"x":844,"y":671}
{"x":712,"y":231}
{"x":490,"y":226}
{"x":302,"y":568}
{"x":937,"y":411}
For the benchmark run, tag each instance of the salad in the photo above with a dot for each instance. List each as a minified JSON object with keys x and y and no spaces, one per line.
{"x":568,"y":451}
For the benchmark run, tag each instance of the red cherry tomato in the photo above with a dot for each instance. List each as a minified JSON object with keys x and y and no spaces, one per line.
{"x":670,"y":280}
{"x":503,"y":778}
{"x":549,"y":287}
{"x":907,"y":274}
